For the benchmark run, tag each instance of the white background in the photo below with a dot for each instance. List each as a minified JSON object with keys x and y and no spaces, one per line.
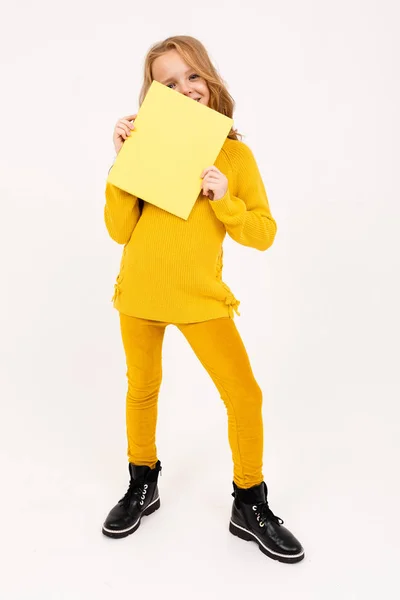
{"x":317,"y":95}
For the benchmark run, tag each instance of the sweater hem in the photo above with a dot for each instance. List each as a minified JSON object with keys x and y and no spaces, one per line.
{"x":166,"y":318}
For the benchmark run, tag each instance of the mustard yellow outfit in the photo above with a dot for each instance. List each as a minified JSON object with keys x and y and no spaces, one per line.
{"x":171,"y":269}
{"x":171,"y":273}
{"x":220,"y":349}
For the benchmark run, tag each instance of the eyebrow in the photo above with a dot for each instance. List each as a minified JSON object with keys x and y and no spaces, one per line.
{"x":170,"y":78}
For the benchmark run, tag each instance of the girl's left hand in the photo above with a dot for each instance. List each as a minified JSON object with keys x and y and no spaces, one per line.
{"x":215,"y":184}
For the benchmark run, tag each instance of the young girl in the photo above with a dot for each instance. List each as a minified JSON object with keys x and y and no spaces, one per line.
{"x":171,"y":274}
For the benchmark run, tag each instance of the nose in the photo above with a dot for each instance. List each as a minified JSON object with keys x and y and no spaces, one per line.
{"x":185,"y":89}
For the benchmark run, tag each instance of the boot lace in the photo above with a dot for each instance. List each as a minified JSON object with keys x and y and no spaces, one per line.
{"x":136,"y":489}
{"x":264,"y":514}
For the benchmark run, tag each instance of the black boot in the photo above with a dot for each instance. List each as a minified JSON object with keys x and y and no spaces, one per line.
{"x":253,"y":520}
{"x":142,"y":498}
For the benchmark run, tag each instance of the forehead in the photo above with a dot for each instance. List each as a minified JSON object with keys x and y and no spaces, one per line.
{"x":168,"y":65}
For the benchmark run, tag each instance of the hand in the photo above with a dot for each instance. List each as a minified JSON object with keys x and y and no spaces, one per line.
{"x":122,"y":129}
{"x":215,"y":184}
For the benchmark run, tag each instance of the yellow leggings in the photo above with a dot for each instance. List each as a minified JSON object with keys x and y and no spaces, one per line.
{"x":219,"y":347}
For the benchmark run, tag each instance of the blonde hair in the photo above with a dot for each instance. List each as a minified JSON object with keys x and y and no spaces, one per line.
{"x":195,"y":55}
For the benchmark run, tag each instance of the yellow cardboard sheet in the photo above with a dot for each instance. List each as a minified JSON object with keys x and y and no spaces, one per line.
{"x":174,"y":139}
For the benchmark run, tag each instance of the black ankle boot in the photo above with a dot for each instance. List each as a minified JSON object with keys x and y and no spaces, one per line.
{"x":253,"y":520}
{"x":142,"y":498}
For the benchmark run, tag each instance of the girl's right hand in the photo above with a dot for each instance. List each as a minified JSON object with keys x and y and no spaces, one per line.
{"x":122,"y":129}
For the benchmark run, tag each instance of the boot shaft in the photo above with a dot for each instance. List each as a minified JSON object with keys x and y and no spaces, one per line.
{"x":144,"y":473}
{"x":143,"y":486}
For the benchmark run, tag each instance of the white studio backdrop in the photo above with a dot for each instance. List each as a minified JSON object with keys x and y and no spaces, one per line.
{"x":317,"y":94}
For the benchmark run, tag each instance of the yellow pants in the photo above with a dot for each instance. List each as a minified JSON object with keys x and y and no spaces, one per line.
{"x":219,"y":347}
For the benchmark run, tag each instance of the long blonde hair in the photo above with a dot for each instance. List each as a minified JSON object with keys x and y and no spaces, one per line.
{"x":195,"y":55}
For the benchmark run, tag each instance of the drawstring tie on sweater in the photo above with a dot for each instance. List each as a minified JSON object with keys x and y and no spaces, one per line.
{"x":117,"y":291}
{"x":230,"y":300}
{"x":233,"y":305}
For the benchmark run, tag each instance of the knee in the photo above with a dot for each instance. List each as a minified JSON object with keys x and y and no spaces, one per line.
{"x":249,"y":393}
{"x":143,"y":391}
{"x":255,"y":393}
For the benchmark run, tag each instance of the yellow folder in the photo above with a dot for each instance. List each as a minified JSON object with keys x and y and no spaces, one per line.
{"x":174,"y":139}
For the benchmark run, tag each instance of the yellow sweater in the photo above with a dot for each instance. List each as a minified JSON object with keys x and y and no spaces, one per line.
{"x":171,"y":269}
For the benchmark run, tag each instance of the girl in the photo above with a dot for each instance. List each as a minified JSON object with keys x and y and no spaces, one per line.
{"x":171,"y":274}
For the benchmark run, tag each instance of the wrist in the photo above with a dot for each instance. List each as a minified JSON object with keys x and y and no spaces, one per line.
{"x":216,"y":198}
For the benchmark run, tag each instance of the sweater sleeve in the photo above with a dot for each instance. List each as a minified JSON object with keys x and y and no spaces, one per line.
{"x":121,"y":213}
{"x":247,"y":217}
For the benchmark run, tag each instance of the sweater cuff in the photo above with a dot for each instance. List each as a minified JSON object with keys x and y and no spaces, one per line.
{"x":227,"y":206}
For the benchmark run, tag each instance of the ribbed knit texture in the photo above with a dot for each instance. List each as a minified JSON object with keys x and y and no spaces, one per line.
{"x":171,"y":269}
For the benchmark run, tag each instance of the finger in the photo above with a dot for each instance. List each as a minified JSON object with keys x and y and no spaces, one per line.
{"x":122,"y":132}
{"x":128,"y":123}
{"x":125,"y":121}
{"x":210,"y":170}
{"x":123,"y":128}
{"x":129,"y":117}
{"x":205,"y":171}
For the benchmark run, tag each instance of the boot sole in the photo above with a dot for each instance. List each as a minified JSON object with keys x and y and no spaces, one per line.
{"x":248,"y":536}
{"x":115,"y":533}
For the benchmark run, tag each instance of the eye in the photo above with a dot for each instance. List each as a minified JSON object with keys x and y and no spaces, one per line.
{"x":193,"y":75}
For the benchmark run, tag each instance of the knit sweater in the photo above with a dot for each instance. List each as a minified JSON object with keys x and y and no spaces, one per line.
{"x":171,"y":268}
